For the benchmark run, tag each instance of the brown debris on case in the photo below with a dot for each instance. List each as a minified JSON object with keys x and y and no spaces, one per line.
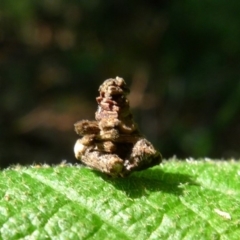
{"x":113,"y":144}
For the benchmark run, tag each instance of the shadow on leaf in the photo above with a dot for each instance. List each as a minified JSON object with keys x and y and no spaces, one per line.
{"x":152,"y":180}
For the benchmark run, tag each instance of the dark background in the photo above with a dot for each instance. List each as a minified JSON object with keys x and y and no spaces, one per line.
{"x":181,"y":60}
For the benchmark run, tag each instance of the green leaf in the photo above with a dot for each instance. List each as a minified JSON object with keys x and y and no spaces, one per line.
{"x":176,"y":200}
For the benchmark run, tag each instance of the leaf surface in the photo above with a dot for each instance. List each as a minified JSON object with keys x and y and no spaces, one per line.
{"x":176,"y":200}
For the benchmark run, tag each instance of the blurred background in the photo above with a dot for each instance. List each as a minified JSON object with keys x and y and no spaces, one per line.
{"x":181,"y":60}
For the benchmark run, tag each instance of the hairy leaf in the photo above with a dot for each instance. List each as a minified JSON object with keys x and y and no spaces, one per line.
{"x":176,"y":200}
